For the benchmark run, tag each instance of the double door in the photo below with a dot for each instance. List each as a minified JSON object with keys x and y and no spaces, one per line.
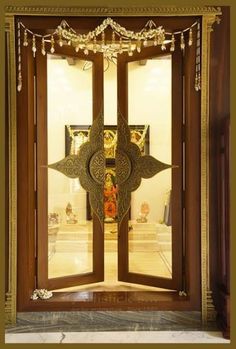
{"x":109,"y":168}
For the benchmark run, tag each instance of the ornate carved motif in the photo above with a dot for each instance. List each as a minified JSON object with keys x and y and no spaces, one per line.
{"x":10,"y":304}
{"x":69,"y":166}
{"x":131,"y":167}
{"x":88,"y":166}
{"x":123,"y":161}
{"x":112,"y":11}
{"x":207,"y":311}
{"x":97,"y":165}
{"x":211,"y":312}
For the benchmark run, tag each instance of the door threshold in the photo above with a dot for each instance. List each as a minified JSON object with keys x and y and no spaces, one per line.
{"x":138,"y":300}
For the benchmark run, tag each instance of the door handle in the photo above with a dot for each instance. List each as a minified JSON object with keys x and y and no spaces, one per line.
{"x":131,"y":167}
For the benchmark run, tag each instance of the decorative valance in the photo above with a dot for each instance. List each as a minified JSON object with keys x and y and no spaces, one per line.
{"x":121,"y":41}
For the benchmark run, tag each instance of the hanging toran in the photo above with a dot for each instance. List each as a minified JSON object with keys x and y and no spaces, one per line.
{"x":122,"y":40}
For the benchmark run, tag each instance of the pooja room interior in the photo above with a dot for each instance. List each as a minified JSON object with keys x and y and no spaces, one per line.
{"x":69,"y":120}
{"x":118,"y":163}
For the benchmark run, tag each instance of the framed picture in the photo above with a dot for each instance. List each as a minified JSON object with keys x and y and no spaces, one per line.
{"x":76,"y":135}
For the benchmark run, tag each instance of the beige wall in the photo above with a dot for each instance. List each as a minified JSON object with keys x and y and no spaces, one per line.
{"x":70,"y":102}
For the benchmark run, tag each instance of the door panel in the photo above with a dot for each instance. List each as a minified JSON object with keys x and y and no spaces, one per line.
{"x":70,"y":248}
{"x":150,"y":243}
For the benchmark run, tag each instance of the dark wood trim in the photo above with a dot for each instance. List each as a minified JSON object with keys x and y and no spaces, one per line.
{"x":42,"y":177}
{"x":219,"y":120}
{"x":177,"y":173}
{"x":140,"y":300}
{"x":6,"y":168}
{"x":41,"y":143}
{"x":98,"y":107}
{"x":223,"y":284}
{"x":192,"y":176}
{"x":25,"y":180}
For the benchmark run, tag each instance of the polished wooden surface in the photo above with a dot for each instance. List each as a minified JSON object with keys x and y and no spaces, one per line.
{"x":25,"y":190}
{"x":41,"y":143}
{"x":218,"y":123}
{"x":97,"y":274}
{"x":192,"y":135}
{"x":111,"y":300}
{"x":123,"y":244}
{"x":6,"y":171}
{"x":26,"y":198}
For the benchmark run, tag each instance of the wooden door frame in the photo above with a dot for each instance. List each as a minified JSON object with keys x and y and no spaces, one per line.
{"x":178,"y":267}
{"x":208,"y":16}
{"x":97,"y":273}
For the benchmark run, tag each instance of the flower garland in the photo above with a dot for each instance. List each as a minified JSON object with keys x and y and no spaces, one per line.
{"x":122,"y":40}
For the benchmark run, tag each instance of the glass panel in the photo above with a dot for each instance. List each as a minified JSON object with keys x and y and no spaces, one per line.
{"x":149,"y":107}
{"x":69,"y":117}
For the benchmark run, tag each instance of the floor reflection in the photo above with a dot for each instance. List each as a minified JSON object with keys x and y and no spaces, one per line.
{"x":72,"y":254}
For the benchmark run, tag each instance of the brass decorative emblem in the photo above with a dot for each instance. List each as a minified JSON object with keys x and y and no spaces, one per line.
{"x":89,"y":166}
{"x":131,"y":167}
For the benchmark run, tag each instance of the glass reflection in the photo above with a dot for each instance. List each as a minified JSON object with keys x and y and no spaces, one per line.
{"x":149,"y":104}
{"x":69,"y":89}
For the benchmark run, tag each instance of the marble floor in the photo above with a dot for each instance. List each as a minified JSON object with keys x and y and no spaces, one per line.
{"x":119,"y":337}
{"x":112,"y":327}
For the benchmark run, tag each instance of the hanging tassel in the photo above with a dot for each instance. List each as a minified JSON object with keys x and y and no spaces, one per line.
{"x":199,"y":80}
{"x":113,"y":39}
{"x":86,"y":51}
{"x":182,"y":43}
{"x":52,"y":49}
{"x":77,"y":48}
{"x":155,"y":42}
{"x":103,"y":39}
{"x":25,"y":42}
{"x":34,"y":45}
{"x":19,"y":82}
{"x":19,"y":76}
{"x":190,"y":39}
{"x":95,"y":44}
{"x":138,"y":46}
{"x":145,"y":42}
{"x":121,"y":46}
{"x":43,"y":51}
{"x":172,"y":46}
{"x":159,"y":39}
{"x":130,"y":52}
{"x":196,"y":82}
{"x":163,"y":46}
{"x":60,"y":40}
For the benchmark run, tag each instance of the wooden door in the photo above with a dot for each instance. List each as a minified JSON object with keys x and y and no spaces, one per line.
{"x":56,"y":218}
{"x":134,"y":265}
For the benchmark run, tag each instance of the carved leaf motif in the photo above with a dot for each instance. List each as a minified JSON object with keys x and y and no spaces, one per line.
{"x":148,"y":166}
{"x":134,"y":164}
{"x":70,"y":166}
